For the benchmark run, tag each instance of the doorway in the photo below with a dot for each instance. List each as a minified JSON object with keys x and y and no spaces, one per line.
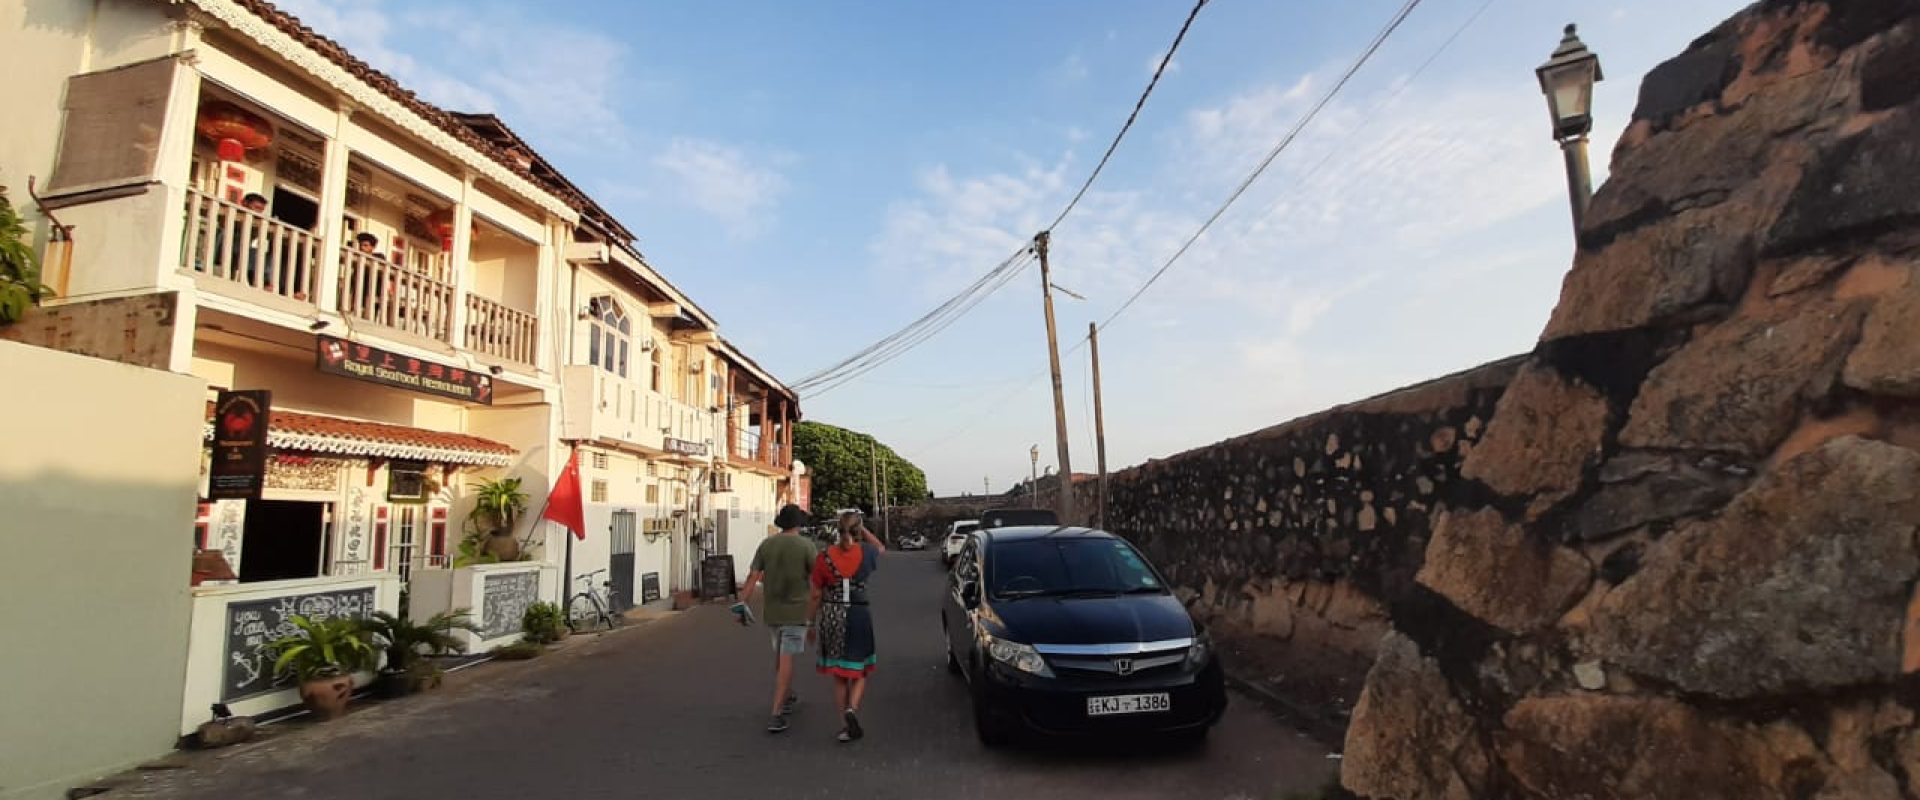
{"x":620,"y":561}
{"x":282,"y":540}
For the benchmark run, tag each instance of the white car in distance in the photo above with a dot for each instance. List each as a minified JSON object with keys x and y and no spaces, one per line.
{"x":957,"y":534}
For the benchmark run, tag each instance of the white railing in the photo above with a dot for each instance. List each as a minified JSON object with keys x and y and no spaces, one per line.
{"x":497,"y":330}
{"x":235,"y":244}
{"x":376,"y":290}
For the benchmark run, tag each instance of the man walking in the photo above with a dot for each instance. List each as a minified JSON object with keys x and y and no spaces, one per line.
{"x":783,"y":564}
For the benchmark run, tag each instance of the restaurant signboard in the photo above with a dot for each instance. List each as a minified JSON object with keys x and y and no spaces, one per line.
{"x":686,"y":448}
{"x":239,"y":467}
{"x":374,"y":365}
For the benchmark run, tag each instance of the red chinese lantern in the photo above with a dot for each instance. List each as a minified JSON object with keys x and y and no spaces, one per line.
{"x":234,"y":129}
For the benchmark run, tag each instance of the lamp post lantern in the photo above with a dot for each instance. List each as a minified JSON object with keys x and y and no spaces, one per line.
{"x":1567,"y":80}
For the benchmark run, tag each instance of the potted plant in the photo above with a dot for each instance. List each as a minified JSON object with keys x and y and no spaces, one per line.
{"x":323,"y":655}
{"x":497,"y":506}
{"x":408,"y":643}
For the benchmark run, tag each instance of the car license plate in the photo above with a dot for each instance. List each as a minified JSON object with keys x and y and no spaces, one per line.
{"x":1129,"y":704}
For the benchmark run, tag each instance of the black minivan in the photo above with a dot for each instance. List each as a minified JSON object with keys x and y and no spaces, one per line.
{"x":1064,"y":631}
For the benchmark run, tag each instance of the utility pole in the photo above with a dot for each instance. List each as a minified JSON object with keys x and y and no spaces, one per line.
{"x":1065,"y":501}
{"x":1033,"y":483}
{"x":873,"y":461}
{"x":986,"y":485}
{"x":1099,"y":427}
{"x":886,"y":507}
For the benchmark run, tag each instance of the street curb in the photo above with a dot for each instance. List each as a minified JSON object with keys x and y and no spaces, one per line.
{"x":1324,"y":729}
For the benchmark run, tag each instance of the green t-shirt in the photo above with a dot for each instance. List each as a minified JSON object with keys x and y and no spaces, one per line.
{"x":787,"y":563}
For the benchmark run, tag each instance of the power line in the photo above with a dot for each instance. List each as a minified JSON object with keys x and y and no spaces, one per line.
{"x":1285,"y":141}
{"x":926,"y":327}
{"x":1134,"y":115}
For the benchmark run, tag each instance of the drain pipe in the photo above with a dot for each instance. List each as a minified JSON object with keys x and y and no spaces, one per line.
{"x":61,"y":235}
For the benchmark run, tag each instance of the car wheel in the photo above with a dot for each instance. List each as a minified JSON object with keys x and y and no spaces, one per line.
{"x":991,"y":726}
{"x":953,"y":663}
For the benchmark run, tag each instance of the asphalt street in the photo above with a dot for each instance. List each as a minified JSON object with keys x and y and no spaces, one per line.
{"x":677,"y":708}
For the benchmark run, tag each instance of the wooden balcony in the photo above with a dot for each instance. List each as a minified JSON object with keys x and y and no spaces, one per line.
{"x":373,"y":289}
{"x":241,"y":247}
{"x":496,"y":330}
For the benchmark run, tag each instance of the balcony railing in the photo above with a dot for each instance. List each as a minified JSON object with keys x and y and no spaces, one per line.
{"x":496,"y":330}
{"x":746,"y":444}
{"x":235,"y":244}
{"x":376,"y":290}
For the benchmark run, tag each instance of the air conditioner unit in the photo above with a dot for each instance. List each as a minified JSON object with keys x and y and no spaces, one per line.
{"x":723,"y":481}
{"x":656,"y":526}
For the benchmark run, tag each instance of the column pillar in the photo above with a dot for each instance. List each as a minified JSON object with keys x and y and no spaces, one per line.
{"x":334,"y":158}
{"x":460,"y":260}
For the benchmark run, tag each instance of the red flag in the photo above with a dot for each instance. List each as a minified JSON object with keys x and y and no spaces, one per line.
{"x":563,"y":504}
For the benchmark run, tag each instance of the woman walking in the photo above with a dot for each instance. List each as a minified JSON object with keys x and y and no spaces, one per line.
{"x":842,"y":618}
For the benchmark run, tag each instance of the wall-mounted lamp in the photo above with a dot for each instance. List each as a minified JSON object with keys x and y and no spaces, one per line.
{"x":318,"y":325}
{"x":496,"y":369}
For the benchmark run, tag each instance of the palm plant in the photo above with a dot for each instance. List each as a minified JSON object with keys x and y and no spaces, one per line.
{"x":20,"y":286}
{"x":324,"y":649}
{"x":406,"y":641}
{"x":497,"y":505}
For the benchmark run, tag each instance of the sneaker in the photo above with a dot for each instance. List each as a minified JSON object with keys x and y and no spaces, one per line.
{"x":852,"y":731}
{"x":778,"y":724}
{"x":788,"y":706}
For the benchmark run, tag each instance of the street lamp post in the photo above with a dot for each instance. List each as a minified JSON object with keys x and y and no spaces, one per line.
{"x":1033,"y":483}
{"x":1567,"y":80}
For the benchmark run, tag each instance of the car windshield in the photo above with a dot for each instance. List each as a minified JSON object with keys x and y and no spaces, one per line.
{"x":967,"y":528}
{"x":1054,"y":567}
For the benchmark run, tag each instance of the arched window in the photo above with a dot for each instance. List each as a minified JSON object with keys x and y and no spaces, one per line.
{"x":608,"y":335}
{"x":659,"y":368}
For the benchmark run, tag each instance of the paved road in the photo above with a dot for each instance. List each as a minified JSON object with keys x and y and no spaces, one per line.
{"x":675,"y":709}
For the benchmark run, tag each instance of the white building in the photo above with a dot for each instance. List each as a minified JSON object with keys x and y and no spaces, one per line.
{"x":429,"y":303}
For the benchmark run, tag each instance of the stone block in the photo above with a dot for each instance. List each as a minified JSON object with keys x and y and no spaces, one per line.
{"x":1657,"y":491}
{"x":1410,"y":739}
{"x":1493,"y":570}
{"x":1607,"y":747}
{"x":1801,"y":583}
{"x":1738,"y":387}
{"x":1546,"y":432}
{"x":1855,"y":187}
{"x":1887,"y":359}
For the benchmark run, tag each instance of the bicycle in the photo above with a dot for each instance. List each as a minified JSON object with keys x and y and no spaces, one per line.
{"x":591,"y":607}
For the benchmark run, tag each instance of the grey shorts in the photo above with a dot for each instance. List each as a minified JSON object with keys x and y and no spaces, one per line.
{"x":789,"y":639}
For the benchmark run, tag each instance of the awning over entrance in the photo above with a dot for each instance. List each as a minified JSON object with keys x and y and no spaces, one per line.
{"x":314,"y":433}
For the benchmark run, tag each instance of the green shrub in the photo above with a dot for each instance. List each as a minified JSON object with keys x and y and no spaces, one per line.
{"x":324,"y":649}
{"x":543,"y":623}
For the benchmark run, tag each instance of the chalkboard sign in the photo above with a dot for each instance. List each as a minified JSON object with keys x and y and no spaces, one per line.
{"x":253,"y":626}
{"x":504,"y":601}
{"x":649,"y":587}
{"x":716,"y":576}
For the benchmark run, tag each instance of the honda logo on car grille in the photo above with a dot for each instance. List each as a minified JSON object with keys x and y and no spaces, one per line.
{"x":1123,"y":666}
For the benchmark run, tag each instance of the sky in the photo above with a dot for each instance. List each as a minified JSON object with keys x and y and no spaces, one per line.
{"x":816,"y":175}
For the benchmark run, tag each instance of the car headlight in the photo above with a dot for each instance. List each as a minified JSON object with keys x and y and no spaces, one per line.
{"x":1019,"y":656}
{"x":1201,"y":651}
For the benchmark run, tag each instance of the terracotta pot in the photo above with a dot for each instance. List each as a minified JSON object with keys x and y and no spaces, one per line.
{"x":327,"y":697}
{"x":503,"y":546}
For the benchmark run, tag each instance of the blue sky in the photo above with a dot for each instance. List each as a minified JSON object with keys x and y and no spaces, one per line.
{"x":818,"y":174}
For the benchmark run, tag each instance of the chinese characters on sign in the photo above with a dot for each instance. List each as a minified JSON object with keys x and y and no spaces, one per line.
{"x":239,"y":445}
{"x":372,"y":364}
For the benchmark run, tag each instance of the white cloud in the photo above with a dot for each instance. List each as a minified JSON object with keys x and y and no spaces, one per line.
{"x":553,"y":83}
{"x":725,"y":182}
{"x":1153,"y":64}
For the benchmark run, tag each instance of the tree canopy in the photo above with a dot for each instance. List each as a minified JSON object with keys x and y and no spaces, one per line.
{"x":840,"y":461}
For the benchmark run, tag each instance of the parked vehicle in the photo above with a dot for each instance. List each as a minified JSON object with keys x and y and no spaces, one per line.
{"x":1011,"y":517}
{"x":1063,"y":631}
{"x":912,"y":541}
{"x":957,"y":534}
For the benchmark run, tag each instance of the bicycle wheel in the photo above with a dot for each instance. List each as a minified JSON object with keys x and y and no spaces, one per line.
{"x":584,"y":614}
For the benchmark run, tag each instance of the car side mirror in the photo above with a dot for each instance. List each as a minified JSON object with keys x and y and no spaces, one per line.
{"x":970,"y":594}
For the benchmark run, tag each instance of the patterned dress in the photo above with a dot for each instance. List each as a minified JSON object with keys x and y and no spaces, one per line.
{"x":845,"y":626}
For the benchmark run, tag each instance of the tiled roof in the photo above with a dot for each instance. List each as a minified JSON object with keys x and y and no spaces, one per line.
{"x":292,"y":26}
{"x":294,"y":430}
